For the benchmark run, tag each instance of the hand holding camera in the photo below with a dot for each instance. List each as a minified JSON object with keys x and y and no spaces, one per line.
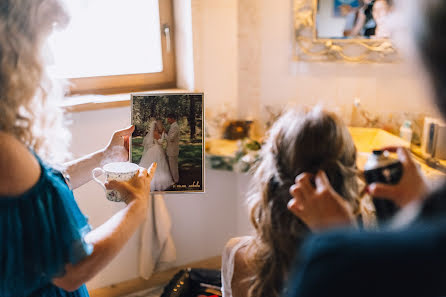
{"x":401,"y":182}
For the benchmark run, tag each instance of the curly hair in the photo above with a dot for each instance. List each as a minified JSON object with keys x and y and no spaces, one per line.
{"x":298,"y":142}
{"x":26,"y":90}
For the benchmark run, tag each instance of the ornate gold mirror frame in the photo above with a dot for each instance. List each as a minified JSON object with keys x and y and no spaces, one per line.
{"x":312,"y":49}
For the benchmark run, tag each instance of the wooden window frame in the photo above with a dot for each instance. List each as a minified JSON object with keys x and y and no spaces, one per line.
{"x":116,"y":84}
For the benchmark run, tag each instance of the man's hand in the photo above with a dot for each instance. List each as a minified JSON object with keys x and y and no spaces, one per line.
{"x":321,"y":207}
{"x":412,"y":186}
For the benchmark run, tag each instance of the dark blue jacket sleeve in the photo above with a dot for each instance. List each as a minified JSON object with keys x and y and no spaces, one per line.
{"x":409,"y":262}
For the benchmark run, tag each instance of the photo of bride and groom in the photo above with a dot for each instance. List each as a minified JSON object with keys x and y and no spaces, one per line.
{"x":169,"y":131}
{"x":167,"y":159}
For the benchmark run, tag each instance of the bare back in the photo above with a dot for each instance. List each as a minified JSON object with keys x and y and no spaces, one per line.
{"x":235,"y":269}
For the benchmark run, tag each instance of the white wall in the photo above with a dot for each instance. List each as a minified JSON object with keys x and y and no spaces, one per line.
{"x":184,"y":50}
{"x":215,"y":50}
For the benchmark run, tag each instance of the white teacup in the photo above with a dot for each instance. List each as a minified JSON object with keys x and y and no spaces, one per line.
{"x":119,"y":171}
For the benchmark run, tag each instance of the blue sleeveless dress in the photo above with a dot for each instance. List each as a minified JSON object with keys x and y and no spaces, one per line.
{"x":41,"y":231}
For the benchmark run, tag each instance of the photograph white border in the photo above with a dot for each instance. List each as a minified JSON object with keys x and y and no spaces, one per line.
{"x":203,"y":139}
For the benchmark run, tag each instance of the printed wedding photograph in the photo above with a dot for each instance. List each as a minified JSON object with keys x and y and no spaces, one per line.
{"x":169,"y":131}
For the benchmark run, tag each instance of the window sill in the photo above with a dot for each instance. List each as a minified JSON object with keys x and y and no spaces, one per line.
{"x":97,"y":102}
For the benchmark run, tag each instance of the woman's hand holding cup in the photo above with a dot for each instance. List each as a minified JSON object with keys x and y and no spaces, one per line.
{"x":137,"y":189}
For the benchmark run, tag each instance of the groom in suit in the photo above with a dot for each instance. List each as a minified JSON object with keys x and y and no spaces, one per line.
{"x":173,"y":146}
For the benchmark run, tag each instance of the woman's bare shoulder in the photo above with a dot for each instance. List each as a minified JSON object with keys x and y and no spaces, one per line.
{"x":19,"y":169}
{"x":242,"y":269}
{"x":236,"y":251}
{"x":235,"y":242}
{"x":243,"y":254}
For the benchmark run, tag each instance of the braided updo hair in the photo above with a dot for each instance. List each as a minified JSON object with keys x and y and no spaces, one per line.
{"x":298,"y":142}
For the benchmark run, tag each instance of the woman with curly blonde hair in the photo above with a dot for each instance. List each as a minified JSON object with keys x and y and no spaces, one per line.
{"x":46,"y":247}
{"x":298,"y":142}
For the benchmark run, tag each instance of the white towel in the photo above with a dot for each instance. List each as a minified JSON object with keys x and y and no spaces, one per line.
{"x":157,"y":249}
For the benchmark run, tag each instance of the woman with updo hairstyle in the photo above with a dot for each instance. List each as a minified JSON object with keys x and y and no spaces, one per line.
{"x":47,"y":248}
{"x":298,"y":142}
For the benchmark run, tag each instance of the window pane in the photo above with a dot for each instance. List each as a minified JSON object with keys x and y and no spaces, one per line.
{"x":108,"y":37}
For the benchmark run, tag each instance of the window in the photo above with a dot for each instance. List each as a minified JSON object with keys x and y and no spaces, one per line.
{"x":115,"y":46}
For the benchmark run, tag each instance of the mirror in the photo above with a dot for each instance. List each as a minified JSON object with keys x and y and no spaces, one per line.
{"x":342,"y":19}
{"x":344,"y":30}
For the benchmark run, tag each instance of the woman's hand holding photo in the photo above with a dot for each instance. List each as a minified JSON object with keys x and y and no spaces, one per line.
{"x":117,"y":149}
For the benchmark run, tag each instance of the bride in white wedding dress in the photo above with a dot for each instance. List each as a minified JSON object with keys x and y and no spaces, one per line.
{"x":154,"y":152}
